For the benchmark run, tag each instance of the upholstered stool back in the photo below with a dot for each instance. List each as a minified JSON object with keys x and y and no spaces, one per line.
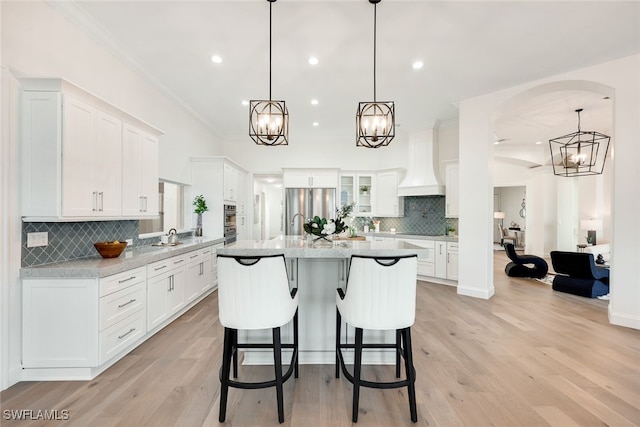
{"x":381,"y":293}
{"x":253,"y":292}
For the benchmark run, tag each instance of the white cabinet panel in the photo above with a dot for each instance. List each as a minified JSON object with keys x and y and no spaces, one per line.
{"x":310,"y":178}
{"x":122,"y":335}
{"x":452,"y":192}
{"x":441,"y":260}
{"x":452,"y":261}
{"x":139,"y":173}
{"x":388,"y":204}
{"x":119,"y":305}
{"x":73,"y":154}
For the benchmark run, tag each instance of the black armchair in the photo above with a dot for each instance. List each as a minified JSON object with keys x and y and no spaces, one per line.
{"x":579,"y":275}
{"x":524,"y":265}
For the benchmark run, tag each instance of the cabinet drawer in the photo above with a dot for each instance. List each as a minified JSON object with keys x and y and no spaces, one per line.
{"x":117,"y":306}
{"x":122,"y":280}
{"x":426,"y":269}
{"x":118,"y":337}
{"x":452,"y":246}
{"x":160,"y":267}
{"x":194,"y":256}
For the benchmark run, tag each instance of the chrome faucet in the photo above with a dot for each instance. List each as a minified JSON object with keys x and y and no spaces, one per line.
{"x":293,"y":220}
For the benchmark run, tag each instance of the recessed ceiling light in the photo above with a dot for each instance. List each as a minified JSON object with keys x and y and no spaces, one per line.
{"x":313,"y":60}
{"x":496,"y":143}
{"x":245,"y":102}
{"x":538,"y":142}
{"x":216,"y":59}
{"x":417,"y":65}
{"x":316,"y":124}
{"x":314,"y":102}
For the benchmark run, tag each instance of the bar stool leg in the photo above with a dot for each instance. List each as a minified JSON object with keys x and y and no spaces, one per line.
{"x":411,"y":373}
{"x":398,"y":349}
{"x":338,"y":332}
{"x":277,"y":358}
{"x":295,"y":342}
{"x":234,"y":351}
{"x":226,"y":366}
{"x":357,"y":365}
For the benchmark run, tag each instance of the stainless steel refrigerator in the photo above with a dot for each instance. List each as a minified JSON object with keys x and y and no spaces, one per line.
{"x":301,"y":204}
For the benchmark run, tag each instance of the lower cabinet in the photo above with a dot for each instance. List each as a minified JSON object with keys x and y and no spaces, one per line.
{"x":76,"y":328}
{"x":452,"y":261}
{"x":165,"y":289}
{"x":441,"y":260}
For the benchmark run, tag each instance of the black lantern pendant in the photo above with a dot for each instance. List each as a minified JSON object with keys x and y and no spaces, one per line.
{"x":269,"y":120}
{"x":579,"y":153}
{"x":375,"y":121}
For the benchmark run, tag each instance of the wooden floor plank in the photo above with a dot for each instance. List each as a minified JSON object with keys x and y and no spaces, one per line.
{"x":528,"y":356}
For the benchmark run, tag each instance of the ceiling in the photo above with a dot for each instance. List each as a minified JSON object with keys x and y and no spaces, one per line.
{"x":468,"y":49}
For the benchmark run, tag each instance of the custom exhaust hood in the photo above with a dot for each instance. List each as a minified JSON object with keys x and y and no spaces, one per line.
{"x":422,"y":172}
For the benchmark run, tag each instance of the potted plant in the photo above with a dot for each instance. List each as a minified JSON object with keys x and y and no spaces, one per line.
{"x":364,"y":190}
{"x":201,"y":207}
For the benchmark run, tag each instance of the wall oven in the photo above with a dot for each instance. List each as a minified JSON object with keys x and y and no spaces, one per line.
{"x":229,"y":224}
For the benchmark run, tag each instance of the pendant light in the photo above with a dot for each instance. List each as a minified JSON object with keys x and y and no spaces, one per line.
{"x":375,"y":121}
{"x":269,"y":120}
{"x":579,"y":153}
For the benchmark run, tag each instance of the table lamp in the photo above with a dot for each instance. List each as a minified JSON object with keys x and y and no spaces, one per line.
{"x":499,"y":215}
{"x":591,"y":225}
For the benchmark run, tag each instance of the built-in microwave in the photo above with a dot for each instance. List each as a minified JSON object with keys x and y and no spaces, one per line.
{"x":230,"y":232}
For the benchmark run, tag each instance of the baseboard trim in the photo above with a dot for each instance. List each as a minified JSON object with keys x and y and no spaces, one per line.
{"x":476,"y":293}
{"x":623,"y":319}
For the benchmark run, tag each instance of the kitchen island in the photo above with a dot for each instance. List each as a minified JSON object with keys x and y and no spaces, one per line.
{"x":317,"y":269}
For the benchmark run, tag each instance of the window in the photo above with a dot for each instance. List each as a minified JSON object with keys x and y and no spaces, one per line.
{"x":171,"y":201}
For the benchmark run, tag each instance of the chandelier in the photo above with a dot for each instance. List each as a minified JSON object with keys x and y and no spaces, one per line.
{"x":579,"y":153}
{"x":269,"y":120}
{"x":375,"y":121}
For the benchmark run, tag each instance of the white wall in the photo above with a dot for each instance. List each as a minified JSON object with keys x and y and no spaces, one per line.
{"x":618,"y":79}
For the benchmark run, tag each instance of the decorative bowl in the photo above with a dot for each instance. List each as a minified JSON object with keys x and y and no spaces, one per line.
{"x":110,"y":249}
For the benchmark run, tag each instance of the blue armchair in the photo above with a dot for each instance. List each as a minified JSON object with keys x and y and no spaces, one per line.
{"x":524,"y":265}
{"x":579,"y":275}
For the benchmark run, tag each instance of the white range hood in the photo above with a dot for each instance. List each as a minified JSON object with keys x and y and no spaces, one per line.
{"x":422,"y":177}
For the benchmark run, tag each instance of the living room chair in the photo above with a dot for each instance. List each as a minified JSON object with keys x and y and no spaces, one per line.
{"x":524,"y":265}
{"x":380,"y":295}
{"x":579,"y":275}
{"x":505,"y":235}
{"x":253,"y":293}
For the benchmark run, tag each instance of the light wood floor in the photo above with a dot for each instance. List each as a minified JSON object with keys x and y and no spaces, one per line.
{"x":528,"y":356}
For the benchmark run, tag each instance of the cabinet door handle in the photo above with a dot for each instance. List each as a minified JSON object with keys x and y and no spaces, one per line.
{"x":126,"y":303}
{"x":193,"y":256}
{"x":126,"y":333}
{"x":94,"y":202}
{"x":101,"y":201}
{"x":178,"y":261}
{"x":127,"y":279}
{"x":160,"y":268}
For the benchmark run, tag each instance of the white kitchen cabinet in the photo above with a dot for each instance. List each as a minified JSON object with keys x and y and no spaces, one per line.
{"x":310,"y":178}
{"x":72,"y":153}
{"x":441,"y":259}
{"x":139,"y":173}
{"x":214,"y":265}
{"x":387,"y":202}
{"x":346,"y":191}
{"x":198,"y":273}
{"x":66,"y":321}
{"x":209,"y":176}
{"x":365,"y":190}
{"x":452,"y":191}
{"x":165,"y":289}
{"x":426,"y":264}
{"x":452,"y":260}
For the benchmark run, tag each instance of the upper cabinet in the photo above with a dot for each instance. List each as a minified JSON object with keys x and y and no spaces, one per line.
{"x":77,"y":158}
{"x":310,"y":178}
{"x":388,"y":204}
{"x":452,"y":191}
{"x":374,"y":193}
{"x":139,"y":173}
{"x":221,"y":182}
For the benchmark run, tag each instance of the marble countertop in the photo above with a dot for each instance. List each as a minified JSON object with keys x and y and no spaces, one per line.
{"x":96,"y":267}
{"x":301,"y":247}
{"x":412,"y":236}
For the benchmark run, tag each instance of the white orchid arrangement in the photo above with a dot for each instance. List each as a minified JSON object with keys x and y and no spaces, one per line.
{"x":322,"y":227}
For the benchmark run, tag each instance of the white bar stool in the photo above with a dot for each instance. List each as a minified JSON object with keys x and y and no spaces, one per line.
{"x":253,"y":293}
{"x":380,"y":295}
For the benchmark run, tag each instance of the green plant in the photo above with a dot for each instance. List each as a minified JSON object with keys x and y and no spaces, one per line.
{"x":321,"y":226}
{"x":201,"y":204}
